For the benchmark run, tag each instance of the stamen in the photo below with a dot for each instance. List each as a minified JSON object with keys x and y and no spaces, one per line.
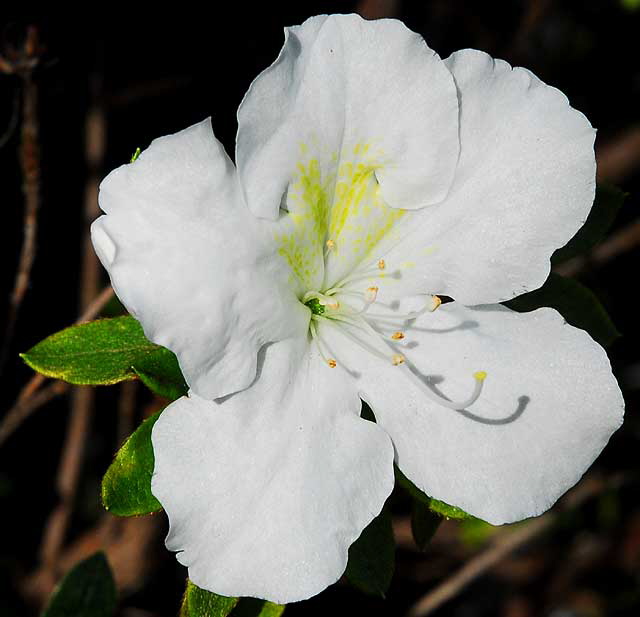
{"x":329,"y":246}
{"x":316,"y":338}
{"x":397,"y":336}
{"x":392,"y":318}
{"x":397,"y":359}
{"x":353,"y":337}
{"x":479,"y":377}
{"x":371,"y":294}
{"x":381,"y":264}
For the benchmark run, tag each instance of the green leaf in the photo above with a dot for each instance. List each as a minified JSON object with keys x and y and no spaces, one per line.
{"x":447,"y":511}
{"x":107,"y":351}
{"x":410,"y":487}
{"x":197,"y":602}
{"x":252,"y":607}
{"x":577,"y":304}
{"x":606,"y":205}
{"x":372,"y":557}
{"x":436,"y":506}
{"x":126,"y":487}
{"x":87,"y":590}
{"x":424,"y":524}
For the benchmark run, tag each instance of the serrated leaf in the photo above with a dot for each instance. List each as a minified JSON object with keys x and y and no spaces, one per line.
{"x":87,"y":590}
{"x":577,"y":304}
{"x":107,"y":351}
{"x":372,"y":557}
{"x":252,"y":607}
{"x":607,"y":203}
{"x":197,"y":602}
{"x":126,"y":487}
{"x":424,"y":524}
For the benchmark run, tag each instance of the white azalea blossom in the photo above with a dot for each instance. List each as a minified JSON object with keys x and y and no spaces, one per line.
{"x":371,"y":177}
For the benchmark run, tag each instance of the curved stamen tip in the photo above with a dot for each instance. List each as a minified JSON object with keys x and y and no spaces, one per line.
{"x":480,"y":375}
{"x":332,"y":363}
{"x":397,"y":336}
{"x":397,"y":359}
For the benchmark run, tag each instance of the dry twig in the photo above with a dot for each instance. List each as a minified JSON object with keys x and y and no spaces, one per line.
{"x":22,"y":63}
{"x":82,"y":398}
{"x":504,"y":544}
{"x":32,"y":396}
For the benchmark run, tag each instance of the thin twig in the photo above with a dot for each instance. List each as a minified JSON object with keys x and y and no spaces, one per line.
{"x":30,"y":168}
{"x":504,"y":544}
{"x":29,"y":398}
{"x":82,"y":398}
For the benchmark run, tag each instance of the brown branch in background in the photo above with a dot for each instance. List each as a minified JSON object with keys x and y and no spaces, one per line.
{"x":620,"y":157}
{"x":22,"y":63}
{"x":376,"y":9}
{"x":618,"y":243}
{"x":532,"y":17}
{"x":31,"y":397}
{"x":126,"y":409}
{"x":507,"y":542}
{"x":82,"y":398}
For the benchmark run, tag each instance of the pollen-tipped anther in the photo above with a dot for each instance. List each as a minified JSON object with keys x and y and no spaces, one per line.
{"x":397,"y":359}
{"x":397,"y":336}
{"x":381,"y":264}
{"x":371,"y":294}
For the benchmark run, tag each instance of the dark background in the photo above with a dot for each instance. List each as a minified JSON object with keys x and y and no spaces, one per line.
{"x":155,"y":76}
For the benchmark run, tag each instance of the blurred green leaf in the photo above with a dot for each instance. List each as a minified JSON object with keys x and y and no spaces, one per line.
{"x":577,"y":304}
{"x":126,"y":487}
{"x":197,"y":602}
{"x":607,"y":203}
{"x":87,"y":590}
{"x":475,"y":532}
{"x":424,"y":524}
{"x":252,"y":607}
{"x":107,"y":351}
{"x":630,"y":5}
{"x":372,"y":557}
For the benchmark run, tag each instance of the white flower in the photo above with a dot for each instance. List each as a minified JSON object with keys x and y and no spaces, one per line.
{"x":370,"y":175}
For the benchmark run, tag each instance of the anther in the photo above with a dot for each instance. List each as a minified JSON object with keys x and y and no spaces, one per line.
{"x":330,"y":245}
{"x":332,"y":303}
{"x":397,"y":336}
{"x":332,"y":363}
{"x":371,"y":294}
{"x":381,"y":264}
{"x":436,"y":303}
{"x":397,"y":359}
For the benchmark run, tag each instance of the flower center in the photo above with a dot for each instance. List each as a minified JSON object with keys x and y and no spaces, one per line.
{"x":346,"y":309}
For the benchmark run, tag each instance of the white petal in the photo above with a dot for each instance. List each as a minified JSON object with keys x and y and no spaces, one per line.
{"x":524,"y":185}
{"x":188,"y":260}
{"x":266,"y":489}
{"x":547,"y":408}
{"x":341,"y":83}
